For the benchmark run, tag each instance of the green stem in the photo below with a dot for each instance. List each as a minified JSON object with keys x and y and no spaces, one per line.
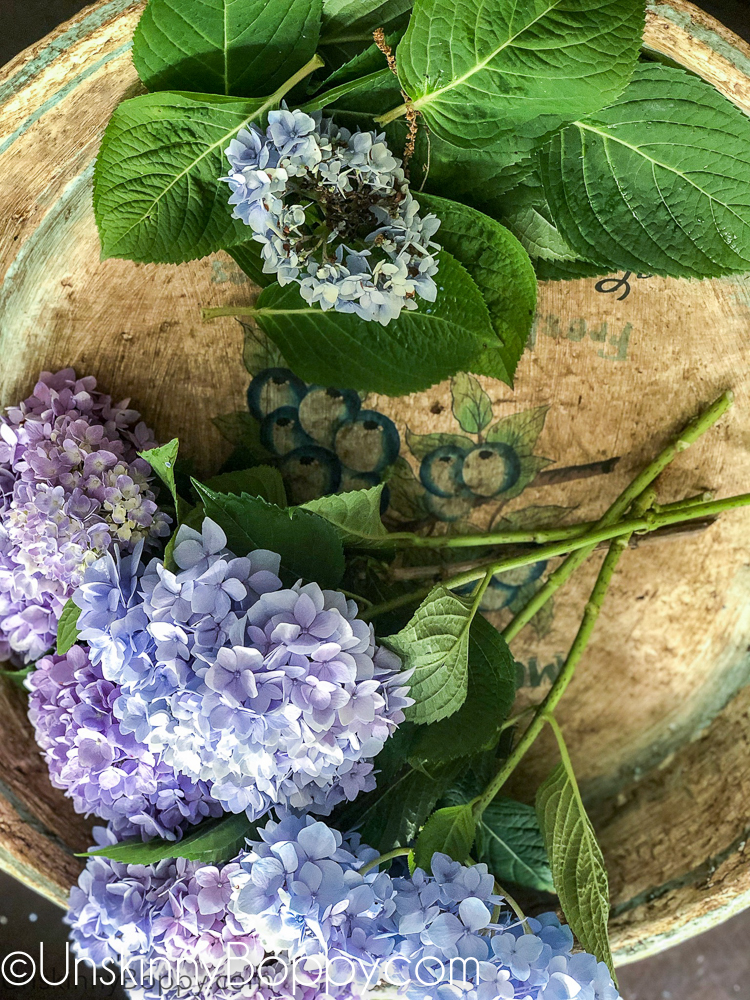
{"x":579,"y":547}
{"x":689,"y":435}
{"x":550,"y":702}
{"x":398,"y":852}
{"x":331,"y":96}
{"x":500,"y":891}
{"x":310,"y":66}
{"x":391,"y":116}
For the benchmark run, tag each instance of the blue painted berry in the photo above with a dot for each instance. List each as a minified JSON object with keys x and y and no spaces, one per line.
{"x":441,"y":472}
{"x":310,"y":472}
{"x":323,"y":412}
{"x":490,"y":469}
{"x":368,"y":444}
{"x":281,"y":431}
{"x":273,"y":388}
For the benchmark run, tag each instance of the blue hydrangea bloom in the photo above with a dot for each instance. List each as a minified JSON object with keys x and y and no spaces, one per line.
{"x":379,"y":254}
{"x":267,"y":695}
{"x":107,"y":773}
{"x":299,"y":897}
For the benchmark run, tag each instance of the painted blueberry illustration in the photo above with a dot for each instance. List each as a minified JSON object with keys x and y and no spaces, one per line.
{"x":281,"y":432}
{"x":441,"y":471}
{"x":310,"y":472}
{"x":351,"y":480}
{"x":504,"y":588}
{"x":448,"y":508}
{"x":273,"y":388}
{"x":491,"y":468}
{"x":369,"y":443}
{"x":322,"y":412}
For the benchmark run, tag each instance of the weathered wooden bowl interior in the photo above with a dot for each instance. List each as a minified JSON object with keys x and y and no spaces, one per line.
{"x":657,"y":718}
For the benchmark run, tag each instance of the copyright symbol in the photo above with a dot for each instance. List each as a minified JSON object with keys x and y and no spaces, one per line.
{"x":18,"y":968}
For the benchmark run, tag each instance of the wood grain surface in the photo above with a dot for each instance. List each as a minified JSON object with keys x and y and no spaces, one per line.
{"x":657,"y":717}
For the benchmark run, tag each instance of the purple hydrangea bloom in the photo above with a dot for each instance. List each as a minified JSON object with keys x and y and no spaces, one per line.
{"x":266,"y":694}
{"x":71,"y":486}
{"x":299,"y":896}
{"x":167,"y":925}
{"x":107,"y":773}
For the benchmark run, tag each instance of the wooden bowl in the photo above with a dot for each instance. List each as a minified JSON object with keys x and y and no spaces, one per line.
{"x":657,"y":718}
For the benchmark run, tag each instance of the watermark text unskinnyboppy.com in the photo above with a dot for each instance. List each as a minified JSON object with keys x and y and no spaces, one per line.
{"x":232,"y":972}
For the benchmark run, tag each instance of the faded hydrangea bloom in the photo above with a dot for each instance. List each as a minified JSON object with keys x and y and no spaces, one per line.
{"x":107,"y":772}
{"x":333,"y":212}
{"x":71,"y":486}
{"x":268,"y":695}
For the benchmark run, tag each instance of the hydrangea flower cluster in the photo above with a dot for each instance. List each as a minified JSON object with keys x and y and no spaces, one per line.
{"x":310,"y":923}
{"x":104,"y":770}
{"x":166,"y":925}
{"x":71,"y":485}
{"x":268,"y":695}
{"x":333,"y":212}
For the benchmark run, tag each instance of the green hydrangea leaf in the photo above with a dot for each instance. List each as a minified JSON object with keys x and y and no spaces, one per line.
{"x":157,"y":193}
{"x":391,"y":815}
{"x":259,"y":481}
{"x":67,"y":630}
{"x":435,"y":645}
{"x":450,"y":831}
{"x":247,"y":257}
{"x":344,"y":20}
{"x":410,"y":354}
{"x":504,"y":275}
{"x":484,"y":67}
{"x":232,"y":47}
{"x":214,"y":841}
{"x":659,"y":182}
{"x":578,"y":871}
{"x":309,"y":546}
{"x":355,"y":515}
{"x":510,"y":843}
{"x":491,"y":692}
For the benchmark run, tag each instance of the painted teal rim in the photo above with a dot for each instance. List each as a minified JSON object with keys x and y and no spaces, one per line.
{"x":56,"y":46}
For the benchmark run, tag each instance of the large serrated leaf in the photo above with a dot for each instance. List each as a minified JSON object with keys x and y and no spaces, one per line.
{"x":448,"y":831}
{"x":479,"y":68}
{"x":308,"y":545}
{"x":504,"y":275}
{"x":213,"y":841}
{"x":233,"y":47}
{"x":355,"y":515}
{"x":510,"y":843}
{"x":357,"y":19}
{"x":259,"y":481}
{"x":658,"y":182}
{"x":491,"y":693}
{"x":391,"y":815}
{"x":435,"y":645}
{"x":157,"y":193}
{"x":578,"y":871}
{"x":412,"y":353}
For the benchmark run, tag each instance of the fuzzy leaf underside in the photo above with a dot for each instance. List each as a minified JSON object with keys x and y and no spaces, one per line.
{"x":578,"y":871}
{"x":490,"y":696}
{"x":510,"y":843}
{"x":355,"y":515}
{"x":448,"y":831}
{"x":659,"y":182}
{"x":435,"y":645}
